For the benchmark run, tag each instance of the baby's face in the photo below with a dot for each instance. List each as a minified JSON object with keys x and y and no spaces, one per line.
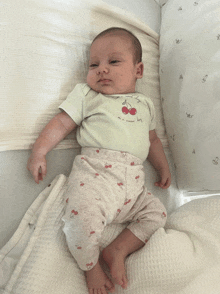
{"x":111,"y":65}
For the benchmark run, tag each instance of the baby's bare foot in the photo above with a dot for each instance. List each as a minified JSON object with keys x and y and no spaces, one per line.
{"x":98,"y":282}
{"x":115,"y":259}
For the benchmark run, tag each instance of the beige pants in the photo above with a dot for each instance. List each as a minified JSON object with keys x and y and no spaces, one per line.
{"x":107,"y":186}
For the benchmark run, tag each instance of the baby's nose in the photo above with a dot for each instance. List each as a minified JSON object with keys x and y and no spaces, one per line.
{"x":103,"y":69}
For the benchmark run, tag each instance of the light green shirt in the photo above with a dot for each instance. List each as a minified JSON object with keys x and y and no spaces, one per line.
{"x":117,"y":122}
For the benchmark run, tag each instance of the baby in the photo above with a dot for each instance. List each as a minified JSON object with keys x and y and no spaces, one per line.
{"x":116,"y":129}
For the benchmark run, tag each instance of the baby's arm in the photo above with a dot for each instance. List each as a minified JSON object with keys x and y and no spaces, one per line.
{"x":54,"y":132}
{"x":158,"y":159}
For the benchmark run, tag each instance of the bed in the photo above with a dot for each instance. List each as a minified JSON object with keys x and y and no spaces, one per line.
{"x":44,"y":51}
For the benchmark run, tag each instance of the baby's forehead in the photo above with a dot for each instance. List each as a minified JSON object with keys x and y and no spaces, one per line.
{"x":120,"y":35}
{"x":119,"y":38}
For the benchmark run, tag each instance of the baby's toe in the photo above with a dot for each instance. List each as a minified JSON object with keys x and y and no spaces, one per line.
{"x":125,"y":282}
{"x":110,"y":286}
{"x":102,"y":291}
{"x":118,"y":278}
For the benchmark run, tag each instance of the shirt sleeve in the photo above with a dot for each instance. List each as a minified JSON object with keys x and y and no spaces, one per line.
{"x":153,"y":117}
{"x":73,"y":105}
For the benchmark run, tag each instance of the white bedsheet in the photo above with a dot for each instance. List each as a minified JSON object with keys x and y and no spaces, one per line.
{"x":183,"y":258}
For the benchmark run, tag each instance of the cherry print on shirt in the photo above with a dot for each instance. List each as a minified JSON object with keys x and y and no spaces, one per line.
{"x":67,"y":200}
{"x":120,"y":184}
{"x":128,"y":110}
{"x":119,"y":210}
{"x":137,"y":177}
{"x":132,"y":163}
{"x":82,"y":184}
{"x":132,"y":111}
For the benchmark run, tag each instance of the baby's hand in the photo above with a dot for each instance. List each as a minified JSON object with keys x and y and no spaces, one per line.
{"x":37,"y":165}
{"x":165,"y":179}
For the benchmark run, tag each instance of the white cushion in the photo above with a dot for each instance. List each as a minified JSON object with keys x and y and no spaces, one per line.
{"x":44,"y":54}
{"x":190,"y":90}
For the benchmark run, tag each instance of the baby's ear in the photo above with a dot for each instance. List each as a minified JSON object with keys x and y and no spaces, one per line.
{"x":140,"y":70}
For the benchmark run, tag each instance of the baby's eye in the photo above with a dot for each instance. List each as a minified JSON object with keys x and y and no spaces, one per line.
{"x":114,"y":61}
{"x":93,"y":65}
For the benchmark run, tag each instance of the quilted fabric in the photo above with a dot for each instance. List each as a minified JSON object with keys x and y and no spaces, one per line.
{"x":183,"y":258}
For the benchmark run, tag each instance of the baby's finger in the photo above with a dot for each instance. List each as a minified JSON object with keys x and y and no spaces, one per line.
{"x":166,"y":184}
{"x":43,"y":170}
{"x":35,"y":175}
{"x":162,"y":182}
{"x":157,"y":184}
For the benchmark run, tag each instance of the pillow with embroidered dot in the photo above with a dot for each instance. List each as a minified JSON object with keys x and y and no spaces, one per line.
{"x":190,"y":90}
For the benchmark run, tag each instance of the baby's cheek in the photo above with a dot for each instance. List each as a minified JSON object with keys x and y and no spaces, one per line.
{"x":88,"y":78}
{"x":92,"y":82}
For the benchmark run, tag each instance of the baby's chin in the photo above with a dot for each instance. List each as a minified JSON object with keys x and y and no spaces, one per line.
{"x":108,"y":90}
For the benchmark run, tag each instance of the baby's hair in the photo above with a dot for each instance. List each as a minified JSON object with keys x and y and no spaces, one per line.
{"x":135,"y":42}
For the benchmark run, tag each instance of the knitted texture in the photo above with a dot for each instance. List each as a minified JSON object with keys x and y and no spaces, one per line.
{"x":183,"y":258}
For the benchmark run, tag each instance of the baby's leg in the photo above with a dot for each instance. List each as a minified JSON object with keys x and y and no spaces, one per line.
{"x":82,"y":239}
{"x":84,"y":222}
{"x":116,"y":253}
{"x":146,"y":216}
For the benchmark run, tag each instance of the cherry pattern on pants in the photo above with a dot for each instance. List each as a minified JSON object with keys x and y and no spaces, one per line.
{"x":107,"y":166}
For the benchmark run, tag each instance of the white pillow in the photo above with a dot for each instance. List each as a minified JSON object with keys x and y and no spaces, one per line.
{"x":44,"y":54}
{"x":161,"y":2}
{"x":190,"y":90}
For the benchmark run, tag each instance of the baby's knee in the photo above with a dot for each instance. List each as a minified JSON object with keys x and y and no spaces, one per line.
{"x":155,"y":212}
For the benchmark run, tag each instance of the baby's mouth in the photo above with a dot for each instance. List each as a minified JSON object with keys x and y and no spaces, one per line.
{"x":104,"y":81}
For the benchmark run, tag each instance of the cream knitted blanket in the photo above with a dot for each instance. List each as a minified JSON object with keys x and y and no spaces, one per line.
{"x":183,"y":258}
